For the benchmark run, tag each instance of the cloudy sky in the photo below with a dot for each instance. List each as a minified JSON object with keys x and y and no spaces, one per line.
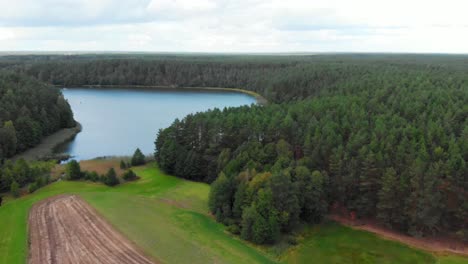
{"x":235,"y":25}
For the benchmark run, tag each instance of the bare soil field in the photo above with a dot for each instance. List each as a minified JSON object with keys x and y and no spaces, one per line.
{"x":102,"y":165}
{"x":65,"y":229}
{"x":98,"y":165}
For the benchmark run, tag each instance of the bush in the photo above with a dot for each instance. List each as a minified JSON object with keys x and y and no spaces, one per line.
{"x":233,"y":229}
{"x":94,"y":176}
{"x":111,"y":178}
{"x":15,"y":189}
{"x":292,"y":240}
{"x":33,"y":187}
{"x":130,"y":176}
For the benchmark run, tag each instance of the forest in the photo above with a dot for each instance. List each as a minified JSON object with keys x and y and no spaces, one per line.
{"x":378,"y":140}
{"x":378,"y":136}
{"x":29,"y":111}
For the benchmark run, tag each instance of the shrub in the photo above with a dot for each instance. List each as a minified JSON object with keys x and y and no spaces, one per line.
{"x":94,"y":176}
{"x":130,"y":176}
{"x":111,"y":178}
{"x":14,"y":188}
{"x":233,"y":229}
{"x":33,"y":187}
{"x":292,"y":240}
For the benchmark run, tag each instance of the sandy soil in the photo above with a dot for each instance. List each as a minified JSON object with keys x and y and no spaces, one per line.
{"x":436,"y":244}
{"x":65,"y":229}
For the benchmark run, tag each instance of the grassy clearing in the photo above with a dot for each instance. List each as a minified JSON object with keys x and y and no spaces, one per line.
{"x":168,"y":218}
{"x":334,"y":243}
{"x":176,"y":213}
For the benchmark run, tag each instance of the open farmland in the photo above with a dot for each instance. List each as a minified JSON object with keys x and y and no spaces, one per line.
{"x":65,"y":229}
{"x":167,"y":218}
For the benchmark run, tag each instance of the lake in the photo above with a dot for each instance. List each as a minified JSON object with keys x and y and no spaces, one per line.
{"x":117,"y":121}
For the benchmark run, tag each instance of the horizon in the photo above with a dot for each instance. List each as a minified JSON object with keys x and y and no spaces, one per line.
{"x":245,"y":26}
{"x":201,"y":53}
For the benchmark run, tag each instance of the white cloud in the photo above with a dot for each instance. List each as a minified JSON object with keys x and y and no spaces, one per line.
{"x":235,"y":26}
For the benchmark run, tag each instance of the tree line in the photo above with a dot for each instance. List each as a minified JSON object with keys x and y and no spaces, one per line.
{"x":277,"y":78}
{"x":32,"y":175}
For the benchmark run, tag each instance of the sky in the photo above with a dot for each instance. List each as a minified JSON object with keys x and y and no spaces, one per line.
{"x":240,"y":26}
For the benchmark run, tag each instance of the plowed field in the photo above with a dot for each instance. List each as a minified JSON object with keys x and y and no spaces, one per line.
{"x":65,"y":229}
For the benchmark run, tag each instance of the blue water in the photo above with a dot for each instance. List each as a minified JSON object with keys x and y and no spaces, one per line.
{"x":117,"y":121}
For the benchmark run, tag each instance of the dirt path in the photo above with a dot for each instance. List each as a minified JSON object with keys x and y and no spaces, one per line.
{"x":438,"y":245}
{"x":65,"y":229}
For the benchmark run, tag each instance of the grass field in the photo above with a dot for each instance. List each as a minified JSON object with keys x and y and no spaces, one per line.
{"x":168,"y":218}
{"x":334,"y":243}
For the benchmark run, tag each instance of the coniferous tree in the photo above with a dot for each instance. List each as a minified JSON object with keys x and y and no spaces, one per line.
{"x":138,"y":158}
{"x":389,"y":196}
{"x":123,"y":165}
{"x":111,"y":178}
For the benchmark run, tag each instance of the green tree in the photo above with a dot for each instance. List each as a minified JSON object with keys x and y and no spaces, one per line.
{"x":389,"y":197}
{"x":8,"y":139}
{"x":111,"y":178}
{"x":284,"y":198}
{"x":138,"y":158}
{"x":123,"y":166}
{"x":73,"y":170}
{"x":313,"y":192}
{"x":221,"y":196}
{"x":259,"y":221}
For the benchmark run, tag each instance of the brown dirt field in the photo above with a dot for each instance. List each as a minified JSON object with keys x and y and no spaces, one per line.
{"x":101,"y":166}
{"x":435,"y":244}
{"x":65,"y":229}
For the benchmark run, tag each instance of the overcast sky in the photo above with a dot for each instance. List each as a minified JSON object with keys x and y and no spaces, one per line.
{"x":235,"y":25}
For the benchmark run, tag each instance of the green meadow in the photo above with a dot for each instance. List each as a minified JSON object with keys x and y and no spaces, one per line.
{"x":168,"y":218}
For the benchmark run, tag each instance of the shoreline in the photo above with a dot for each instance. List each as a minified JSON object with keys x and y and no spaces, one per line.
{"x":46,"y":148}
{"x":259,"y":98}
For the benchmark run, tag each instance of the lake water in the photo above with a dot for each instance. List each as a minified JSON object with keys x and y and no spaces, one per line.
{"x":117,"y":121}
